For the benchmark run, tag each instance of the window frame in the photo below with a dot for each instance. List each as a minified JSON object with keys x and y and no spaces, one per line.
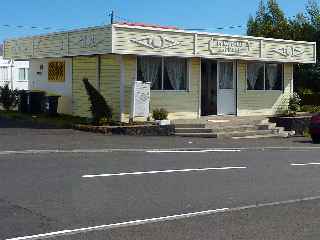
{"x":187,"y":61}
{"x":4,"y":73}
{"x":264,"y":78}
{"x":26,"y":74}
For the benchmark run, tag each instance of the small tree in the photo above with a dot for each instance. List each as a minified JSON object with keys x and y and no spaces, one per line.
{"x":99,"y":106}
{"x":8,"y":98}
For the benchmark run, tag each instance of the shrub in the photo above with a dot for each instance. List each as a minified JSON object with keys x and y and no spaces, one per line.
{"x":305,"y":91}
{"x":99,"y":106}
{"x":294,"y":103}
{"x":8,"y":98}
{"x":159,"y":114}
{"x":310,"y":108}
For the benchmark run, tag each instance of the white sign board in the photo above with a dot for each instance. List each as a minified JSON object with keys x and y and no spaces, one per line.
{"x":141,"y":99}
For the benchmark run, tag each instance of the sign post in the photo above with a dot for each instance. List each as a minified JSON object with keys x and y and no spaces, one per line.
{"x":141,"y":99}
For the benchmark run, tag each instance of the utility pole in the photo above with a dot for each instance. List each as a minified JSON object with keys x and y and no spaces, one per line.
{"x":111,"y":17}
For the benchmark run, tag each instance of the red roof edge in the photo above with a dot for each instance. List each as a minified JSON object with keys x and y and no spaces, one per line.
{"x":148,"y":25}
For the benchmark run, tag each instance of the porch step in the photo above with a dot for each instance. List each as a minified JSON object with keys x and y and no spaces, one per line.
{"x":190,"y":125}
{"x":198,"y":135}
{"x":255,"y":128}
{"x":247,"y":133}
{"x":193,"y":130}
{"x":266,"y":126}
{"x":234,"y":128}
{"x":260,"y":136}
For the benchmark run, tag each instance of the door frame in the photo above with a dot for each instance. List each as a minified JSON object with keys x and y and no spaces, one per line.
{"x":234,"y":62}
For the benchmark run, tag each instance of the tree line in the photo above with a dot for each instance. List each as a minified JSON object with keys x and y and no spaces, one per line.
{"x":270,"y":21}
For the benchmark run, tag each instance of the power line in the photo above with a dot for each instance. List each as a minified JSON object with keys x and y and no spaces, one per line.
{"x":31,"y":27}
{"x":117,"y":19}
{"x":194,"y":29}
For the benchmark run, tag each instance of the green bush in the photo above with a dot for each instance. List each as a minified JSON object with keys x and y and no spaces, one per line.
{"x":159,"y":114}
{"x":310,"y":108}
{"x":99,"y":106}
{"x":294,"y":103}
{"x":305,"y":91}
{"x":8,"y":98}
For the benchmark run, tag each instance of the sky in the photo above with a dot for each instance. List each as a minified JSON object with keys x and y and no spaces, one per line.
{"x":73,"y":14}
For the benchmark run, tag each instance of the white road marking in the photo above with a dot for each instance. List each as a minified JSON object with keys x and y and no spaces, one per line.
{"x":158,"y":219}
{"x":303,"y":164}
{"x":162,"y":171}
{"x":194,"y":151}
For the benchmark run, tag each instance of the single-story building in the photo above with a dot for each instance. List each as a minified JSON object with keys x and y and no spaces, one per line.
{"x":13,"y":73}
{"x":191,"y":74}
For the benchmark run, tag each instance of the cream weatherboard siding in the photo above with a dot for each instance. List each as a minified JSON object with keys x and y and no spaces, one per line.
{"x":96,"y":40}
{"x":82,"y":67}
{"x":170,"y":42}
{"x":262,"y":102}
{"x":110,"y":82}
{"x":126,"y":39}
{"x":130,"y":73}
{"x":87,"y":67}
{"x":181,"y":104}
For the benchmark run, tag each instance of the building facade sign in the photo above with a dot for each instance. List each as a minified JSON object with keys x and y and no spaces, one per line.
{"x":141,"y":99}
{"x":228,"y":47}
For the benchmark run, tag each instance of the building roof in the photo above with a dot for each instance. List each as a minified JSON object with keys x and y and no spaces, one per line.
{"x":136,"y":24}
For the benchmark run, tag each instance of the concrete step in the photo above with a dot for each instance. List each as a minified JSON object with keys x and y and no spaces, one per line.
{"x":266,"y":126}
{"x":190,"y":125}
{"x":193,"y":130}
{"x":261,"y":136}
{"x":246,"y":133}
{"x":198,"y":135}
{"x":234,"y":128}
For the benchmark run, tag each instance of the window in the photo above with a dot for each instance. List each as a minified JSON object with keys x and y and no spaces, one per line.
{"x":56,"y":71}
{"x":23,"y":74}
{"x":255,"y":76}
{"x":168,"y":73}
{"x":4,"y":74}
{"x":226,"y":75}
{"x":264,"y":76}
{"x":274,"y":76}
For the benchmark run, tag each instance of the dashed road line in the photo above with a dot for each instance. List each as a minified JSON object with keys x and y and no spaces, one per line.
{"x":162,"y":171}
{"x":304,"y":164}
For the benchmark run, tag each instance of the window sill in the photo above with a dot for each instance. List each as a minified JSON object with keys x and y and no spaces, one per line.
{"x":251,"y":90}
{"x":179,"y":91}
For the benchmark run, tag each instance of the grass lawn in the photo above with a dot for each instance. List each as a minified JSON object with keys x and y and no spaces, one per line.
{"x":59,"y":121}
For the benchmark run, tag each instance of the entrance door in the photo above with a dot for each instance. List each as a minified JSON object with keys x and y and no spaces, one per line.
{"x":226,"y":99}
{"x":208,"y":87}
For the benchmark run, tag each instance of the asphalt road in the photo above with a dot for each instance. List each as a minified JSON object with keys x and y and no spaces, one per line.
{"x":253,"y":189}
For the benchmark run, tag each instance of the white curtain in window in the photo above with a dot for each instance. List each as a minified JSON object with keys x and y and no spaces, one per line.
{"x":4,"y":73}
{"x":149,"y":68}
{"x":22,"y":74}
{"x":272,"y":74}
{"x":226,"y":75}
{"x":176,"y":71}
{"x":253,"y":74}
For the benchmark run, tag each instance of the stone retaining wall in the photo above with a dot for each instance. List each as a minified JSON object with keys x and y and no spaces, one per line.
{"x":299,"y":124}
{"x":140,"y":130}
